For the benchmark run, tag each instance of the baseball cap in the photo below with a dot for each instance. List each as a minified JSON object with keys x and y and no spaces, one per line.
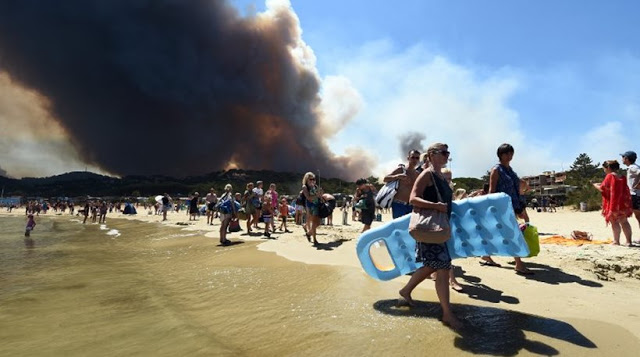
{"x":631,"y":155}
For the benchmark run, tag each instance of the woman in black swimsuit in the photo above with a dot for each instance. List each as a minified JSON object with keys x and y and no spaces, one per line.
{"x":435,"y":257}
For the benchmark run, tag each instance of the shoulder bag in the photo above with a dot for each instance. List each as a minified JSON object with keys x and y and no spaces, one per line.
{"x":428,"y":225}
{"x":385,"y":196}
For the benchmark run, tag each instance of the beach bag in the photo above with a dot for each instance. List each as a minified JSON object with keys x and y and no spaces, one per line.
{"x":533,"y":241}
{"x":225,"y":206}
{"x":385,"y":196}
{"x":323,"y":210}
{"x":430,"y":226}
{"x":361,"y":204}
{"x":234,"y":225}
{"x":242,"y":214}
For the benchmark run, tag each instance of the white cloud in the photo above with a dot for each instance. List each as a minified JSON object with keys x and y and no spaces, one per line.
{"x":605,"y":142}
{"x":414,"y":90}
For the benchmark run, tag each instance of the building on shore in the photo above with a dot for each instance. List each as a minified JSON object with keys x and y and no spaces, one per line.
{"x":549,"y":184}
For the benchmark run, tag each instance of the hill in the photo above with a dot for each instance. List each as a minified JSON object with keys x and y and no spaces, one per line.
{"x":76,"y":184}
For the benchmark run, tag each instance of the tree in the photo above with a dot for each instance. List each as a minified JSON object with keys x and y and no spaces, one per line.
{"x":583,"y":171}
{"x":485,"y":177}
{"x":581,"y":174}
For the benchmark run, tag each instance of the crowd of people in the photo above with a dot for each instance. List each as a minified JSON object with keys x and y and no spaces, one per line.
{"x":423,"y":182}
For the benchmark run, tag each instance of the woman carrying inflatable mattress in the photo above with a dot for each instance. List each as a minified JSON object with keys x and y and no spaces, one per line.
{"x":504,"y":179}
{"x":435,"y":257}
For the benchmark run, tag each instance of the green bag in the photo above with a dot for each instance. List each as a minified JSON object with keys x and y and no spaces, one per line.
{"x":533,"y":242}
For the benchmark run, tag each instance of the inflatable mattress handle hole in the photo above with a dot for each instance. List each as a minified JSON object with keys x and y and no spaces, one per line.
{"x":380,"y":256}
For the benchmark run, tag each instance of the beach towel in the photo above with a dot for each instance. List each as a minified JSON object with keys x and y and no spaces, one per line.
{"x":560,"y":240}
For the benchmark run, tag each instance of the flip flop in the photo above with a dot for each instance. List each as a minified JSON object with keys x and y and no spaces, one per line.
{"x":457,"y":289}
{"x":485,"y":263}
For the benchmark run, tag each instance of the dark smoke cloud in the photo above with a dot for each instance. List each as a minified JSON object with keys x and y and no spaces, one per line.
{"x":3,"y":173}
{"x":411,"y":141}
{"x":191,"y":82}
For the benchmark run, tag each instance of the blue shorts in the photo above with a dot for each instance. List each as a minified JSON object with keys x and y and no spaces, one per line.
{"x":399,"y":209}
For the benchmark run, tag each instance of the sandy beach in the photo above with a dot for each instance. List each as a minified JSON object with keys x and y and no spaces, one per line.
{"x":595,"y":282}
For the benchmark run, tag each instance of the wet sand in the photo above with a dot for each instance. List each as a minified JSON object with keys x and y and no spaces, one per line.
{"x":565,"y":307}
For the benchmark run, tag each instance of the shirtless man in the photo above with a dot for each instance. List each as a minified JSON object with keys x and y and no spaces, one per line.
{"x":211,"y":199}
{"x":406,"y":175}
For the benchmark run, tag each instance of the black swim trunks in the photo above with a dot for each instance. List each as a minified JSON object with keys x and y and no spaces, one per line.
{"x":367,"y":216}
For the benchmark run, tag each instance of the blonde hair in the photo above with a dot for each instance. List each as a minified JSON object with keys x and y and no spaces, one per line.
{"x":249,"y":184}
{"x":228,"y":187}
{"x":424,"y":156}
{"x":435,"y":148}
{"x":459,"y":194}
{"x":306,"y":177}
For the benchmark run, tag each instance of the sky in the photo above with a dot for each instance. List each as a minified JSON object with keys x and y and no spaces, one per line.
{"x":553,"y":78}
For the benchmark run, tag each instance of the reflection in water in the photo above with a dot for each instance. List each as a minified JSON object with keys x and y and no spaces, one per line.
{"x":166,"y":292}
{"x":29,"y":243}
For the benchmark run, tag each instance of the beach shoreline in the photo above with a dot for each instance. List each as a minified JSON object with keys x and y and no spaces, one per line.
{"x":589,"y":282}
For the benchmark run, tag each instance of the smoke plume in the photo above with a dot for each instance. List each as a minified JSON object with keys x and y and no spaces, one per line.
{"x":411,"y":141}
{"x":173,"y":87}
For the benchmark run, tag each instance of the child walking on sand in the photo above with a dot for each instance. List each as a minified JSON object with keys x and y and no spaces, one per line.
{"x":283,"y":208}
{"x":31,"y":224}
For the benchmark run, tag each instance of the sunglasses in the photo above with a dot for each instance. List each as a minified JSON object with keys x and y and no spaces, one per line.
{"x":415,"y":157}
{"x":444,"y":152}
{"x":312,"y":178}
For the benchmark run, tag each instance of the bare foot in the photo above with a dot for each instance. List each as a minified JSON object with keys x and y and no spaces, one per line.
{"x":452,"y":321}
{"x":405,"y":299}
{"x":455,"y":286}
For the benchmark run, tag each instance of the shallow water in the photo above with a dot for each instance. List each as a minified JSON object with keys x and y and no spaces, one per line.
{"x":131,"y":288}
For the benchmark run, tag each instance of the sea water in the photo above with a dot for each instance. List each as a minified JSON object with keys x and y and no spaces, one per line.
{"x":132,"y":288}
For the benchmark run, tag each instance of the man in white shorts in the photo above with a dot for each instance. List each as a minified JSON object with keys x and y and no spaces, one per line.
{"x":633,"y":180}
